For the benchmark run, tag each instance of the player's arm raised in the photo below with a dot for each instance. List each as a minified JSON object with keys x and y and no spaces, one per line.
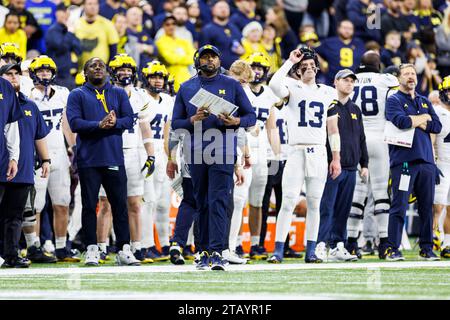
{"x":277,"y":84}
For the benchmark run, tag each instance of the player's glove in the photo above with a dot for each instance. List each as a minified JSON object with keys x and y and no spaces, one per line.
{"x":439,"y":174}
{"x":149,"y":166}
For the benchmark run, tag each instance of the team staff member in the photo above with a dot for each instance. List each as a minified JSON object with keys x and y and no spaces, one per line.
{"x":99,"y":113}
{"x":212,"y":181}
{"x":406,"y":109}
{"x":32,"y":132}
{"x":334,"y":209}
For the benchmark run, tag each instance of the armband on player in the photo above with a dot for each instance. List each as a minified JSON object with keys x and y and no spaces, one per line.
{"x":335,"y":142}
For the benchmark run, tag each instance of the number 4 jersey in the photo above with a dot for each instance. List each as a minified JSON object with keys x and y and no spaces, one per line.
{"x":307,"y":112}
{"x":52,"y":110}
{"x":370,"y":94}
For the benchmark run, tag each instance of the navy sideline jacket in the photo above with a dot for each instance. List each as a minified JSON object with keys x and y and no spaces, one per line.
{"x":98,"y":147}
{"x":399,"y":107}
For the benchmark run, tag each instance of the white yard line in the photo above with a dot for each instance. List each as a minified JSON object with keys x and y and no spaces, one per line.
{"x":231,"y":268}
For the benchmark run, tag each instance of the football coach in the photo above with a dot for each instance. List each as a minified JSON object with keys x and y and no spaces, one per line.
{"x":99,"y":113}
{"x":412,"y":169}
{"x":212,"y":180}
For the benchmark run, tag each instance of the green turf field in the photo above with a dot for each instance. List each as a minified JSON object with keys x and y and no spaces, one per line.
{"x":365,"y":279}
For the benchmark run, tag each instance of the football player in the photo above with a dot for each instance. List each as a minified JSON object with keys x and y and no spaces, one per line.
{"x":9,"y":53}
{"x":372,"y":88}
{"x":157,"y":188}
{"x":442,"y":153}
{"x":262,"y":100}
{"x":51,"y":101}
{"x":309,"y":119}
{"x":123,"y":71}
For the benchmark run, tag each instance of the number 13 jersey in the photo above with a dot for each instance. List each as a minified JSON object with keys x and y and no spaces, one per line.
{"x":307,"y":111}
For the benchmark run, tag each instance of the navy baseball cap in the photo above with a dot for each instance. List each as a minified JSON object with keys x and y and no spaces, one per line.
{"x":4,"y":69}
{"x":206,"y":48}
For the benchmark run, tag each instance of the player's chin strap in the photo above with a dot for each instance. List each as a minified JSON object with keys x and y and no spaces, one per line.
{"x":335,"y":142}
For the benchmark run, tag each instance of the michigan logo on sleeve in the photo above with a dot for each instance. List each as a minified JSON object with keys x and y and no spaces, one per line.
{"x":28,"y":113}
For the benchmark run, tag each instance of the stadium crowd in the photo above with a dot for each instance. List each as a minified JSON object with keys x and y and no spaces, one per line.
{"x":67,"y":56}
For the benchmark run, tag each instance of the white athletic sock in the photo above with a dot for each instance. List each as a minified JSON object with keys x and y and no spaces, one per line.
{"x":255,"y":240}
{"x":446,"y":240}
{"x":60,"y":242}
{"x":135,"y":246}
{"x":30,"y":238}
{"x":102,"y":246}
{"x":236,"y":221}
{"x":162,"y":226}
{"x":147,"y":238}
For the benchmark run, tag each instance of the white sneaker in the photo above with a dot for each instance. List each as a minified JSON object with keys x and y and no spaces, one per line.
{"x":341,"y":254}
{"x":232,"y":257}
{"x":126,"y":258}
{"x":321,"y":251}
{"x":48,"y":246}
{"x":92,"y":255}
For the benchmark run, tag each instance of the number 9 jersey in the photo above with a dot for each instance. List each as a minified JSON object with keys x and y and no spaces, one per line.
{"x":307,"y":112}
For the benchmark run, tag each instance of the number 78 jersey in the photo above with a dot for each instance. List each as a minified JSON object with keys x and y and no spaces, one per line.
{"x":307,"y":112}
{"x":370,"y":95}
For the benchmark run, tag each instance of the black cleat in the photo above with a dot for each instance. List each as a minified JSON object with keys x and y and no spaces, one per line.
{"x":313,"y":259}
{"x":367,"y":249}
{"x":175,"y":254}
{"x":37,"y":255}
{"x":290,"y":253}
{"x":16,"y":262}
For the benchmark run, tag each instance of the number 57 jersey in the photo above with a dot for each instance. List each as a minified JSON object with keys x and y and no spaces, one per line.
{"x":307,"y":112}
{"x":370,"y":94}
{"x":52,"y":111}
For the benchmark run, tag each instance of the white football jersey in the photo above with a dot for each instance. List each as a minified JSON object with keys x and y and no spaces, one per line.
{"x":140,"y":102}
{"x":158,"y":114}
{"x":370,"y":94}
{"x":26,"y":85}
{"x":281,"y":122}
{"x":261,"y":103}
{"x":52,"y":111}
{"x":307,"y":112}
{"x":443,"y":138}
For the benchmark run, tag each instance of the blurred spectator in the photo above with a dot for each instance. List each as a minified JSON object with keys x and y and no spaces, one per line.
{"x":222,"y":34}
{"x":27,"y":21}
{"x":110,"y":8}
{"x":184,"y":28}
{"x":120,"y":23}
{"x":168,"y":7}
{"x":251,"y":40}
{"x":393,"y":19}
{"x":443,"y":44}
{"x":417,"y":57}
{"x":11,"y":32}
{"x":390,"y":54}
{"x":62,"y":45}
{"x":97,"y":34}
{"x":176,"y":53}
{"x":146,"y":48}
{"x":194,"y":16}
{"x":271,"y":44}
{"x":3,"y":12}
{"x":426,"y":16}
{"x":343,"y":51}
{"x":308,"y":36}
{"x":44,"y":13}
{"x":75,"y":12}
{"x":340,"y":11}
{"x":444,"y":6}
{"x":317,"y":15}
{"x":374,"y":46}
{"x":289,"y":40}
{"x":294,"y":10}
{"x":363,"y":14}
{"x":244,"y":14}
{"x":407,"y":9}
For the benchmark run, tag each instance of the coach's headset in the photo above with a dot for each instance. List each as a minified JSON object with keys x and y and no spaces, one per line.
{"x":260,"y":60}
{"x":8,"y":49}
{"x":444,"y":87}
{"x":155,"y":68}
{"x":198,"y":54}
{"x":123,"y":61}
